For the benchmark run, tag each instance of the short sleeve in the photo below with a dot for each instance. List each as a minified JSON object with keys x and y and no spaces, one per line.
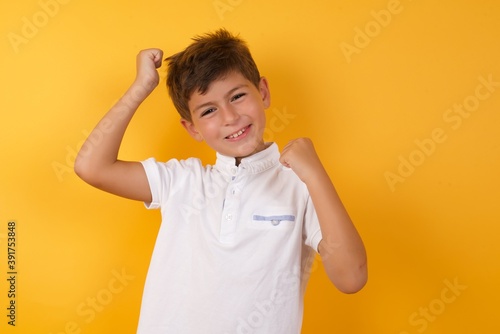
{"x":155,"y":182}
{"x":312,"y":228}
{"x":167,"y":179}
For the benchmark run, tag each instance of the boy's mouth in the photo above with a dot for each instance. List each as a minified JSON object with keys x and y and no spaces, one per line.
{"x":238,"y":133}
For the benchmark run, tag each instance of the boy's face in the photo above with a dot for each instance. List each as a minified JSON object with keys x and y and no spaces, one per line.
{"x":230,"y":116}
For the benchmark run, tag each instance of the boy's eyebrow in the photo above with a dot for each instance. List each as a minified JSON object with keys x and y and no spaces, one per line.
{"x":230,"y":92}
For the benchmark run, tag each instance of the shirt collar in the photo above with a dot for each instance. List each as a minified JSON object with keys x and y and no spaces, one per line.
{"x":253,"y":164}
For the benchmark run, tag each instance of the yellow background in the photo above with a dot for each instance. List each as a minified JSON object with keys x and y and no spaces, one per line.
{"x":365,"y":109}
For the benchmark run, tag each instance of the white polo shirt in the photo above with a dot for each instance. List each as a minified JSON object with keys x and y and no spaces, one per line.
{"x":234,"y":249}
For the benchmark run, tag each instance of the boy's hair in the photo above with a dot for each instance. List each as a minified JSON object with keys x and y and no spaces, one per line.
{"x":208,"y":58}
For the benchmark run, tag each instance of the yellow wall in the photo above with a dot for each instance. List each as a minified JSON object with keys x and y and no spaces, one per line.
{"x":401,"y":98}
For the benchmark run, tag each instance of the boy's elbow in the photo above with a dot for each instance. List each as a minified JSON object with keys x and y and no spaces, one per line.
{"x":80,"y":168}
{"x":353,"y":282}
{"x":84,"y":171}
{"x":353,"y":286}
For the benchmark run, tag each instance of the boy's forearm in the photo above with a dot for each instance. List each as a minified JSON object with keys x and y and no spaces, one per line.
{"x":341,"y":249}
{"x":102,"y":146}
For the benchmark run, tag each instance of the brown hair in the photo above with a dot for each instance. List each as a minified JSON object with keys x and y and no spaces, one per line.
{"x":209,"y":58}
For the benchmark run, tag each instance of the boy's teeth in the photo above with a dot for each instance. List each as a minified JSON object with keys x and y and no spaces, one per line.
{"x":237,"y":134}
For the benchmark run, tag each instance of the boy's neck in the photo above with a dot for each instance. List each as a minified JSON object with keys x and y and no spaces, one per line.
{"x":257,"y":150}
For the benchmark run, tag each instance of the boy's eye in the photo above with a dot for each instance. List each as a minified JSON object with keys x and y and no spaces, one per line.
{"x":207,"y":112}
{"x":237,"y":96}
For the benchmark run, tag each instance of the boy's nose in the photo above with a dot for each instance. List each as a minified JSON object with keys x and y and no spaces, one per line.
{"x":230,"y":115}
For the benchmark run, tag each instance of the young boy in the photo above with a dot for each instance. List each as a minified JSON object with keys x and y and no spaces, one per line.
{"x":237,"y":239}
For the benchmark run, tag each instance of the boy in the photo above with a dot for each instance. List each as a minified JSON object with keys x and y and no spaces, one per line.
{"x":237,"y":239}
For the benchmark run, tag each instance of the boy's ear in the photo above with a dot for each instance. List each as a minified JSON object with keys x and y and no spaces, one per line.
{"x":191,"y":129}
{"x":265,"y":92}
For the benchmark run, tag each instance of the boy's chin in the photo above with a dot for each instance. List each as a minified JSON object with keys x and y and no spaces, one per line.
{"x":248,"y":149}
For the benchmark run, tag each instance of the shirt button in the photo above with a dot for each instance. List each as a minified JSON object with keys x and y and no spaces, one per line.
{"x":229,"y":216}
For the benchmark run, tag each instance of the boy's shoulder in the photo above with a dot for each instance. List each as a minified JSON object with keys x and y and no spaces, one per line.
{"x":175,"y":167}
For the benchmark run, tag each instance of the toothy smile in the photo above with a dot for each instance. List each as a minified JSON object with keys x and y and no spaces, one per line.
{"x":237,"y":134}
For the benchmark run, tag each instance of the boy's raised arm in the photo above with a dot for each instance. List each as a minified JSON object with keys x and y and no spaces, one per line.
{"x":97,"y":161}
{"x":342,"y":250}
